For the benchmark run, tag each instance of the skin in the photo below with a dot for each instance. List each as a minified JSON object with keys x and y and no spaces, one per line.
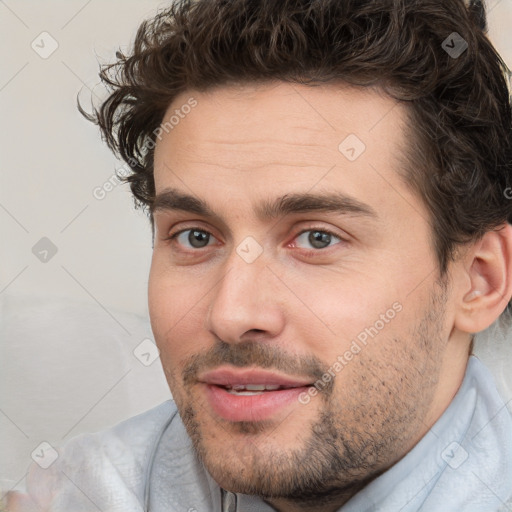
{"x":297,"y":307}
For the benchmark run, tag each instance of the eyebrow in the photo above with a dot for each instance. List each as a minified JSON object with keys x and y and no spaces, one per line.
{"x":172,"y":199}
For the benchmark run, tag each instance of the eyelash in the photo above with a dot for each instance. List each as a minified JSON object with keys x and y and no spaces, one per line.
{"x":173,"y":236}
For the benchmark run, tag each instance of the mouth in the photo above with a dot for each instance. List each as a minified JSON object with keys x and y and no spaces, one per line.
{"x":250,"y":395}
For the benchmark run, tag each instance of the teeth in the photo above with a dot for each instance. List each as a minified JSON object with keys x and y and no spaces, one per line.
{"x":244,"y":393}
{"x":253,"y":387}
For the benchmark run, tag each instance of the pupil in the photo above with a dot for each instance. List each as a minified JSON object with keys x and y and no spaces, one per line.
{"x":319,"y":240}
{"x":198,"y":238}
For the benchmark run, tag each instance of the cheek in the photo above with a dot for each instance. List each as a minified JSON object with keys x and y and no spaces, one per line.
{"x":177,"y":306}
{"x":337,"y":311}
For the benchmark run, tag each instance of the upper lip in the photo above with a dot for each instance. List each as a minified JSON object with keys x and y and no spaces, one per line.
{"x":225,"y":376}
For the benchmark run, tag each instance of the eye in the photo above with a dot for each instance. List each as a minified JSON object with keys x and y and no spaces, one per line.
{"x":197,"y":238}
{"x":317,"y":238}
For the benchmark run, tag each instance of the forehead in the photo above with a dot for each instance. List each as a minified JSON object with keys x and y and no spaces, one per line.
{"x":305,"y":118}
{"x":265,"y":140}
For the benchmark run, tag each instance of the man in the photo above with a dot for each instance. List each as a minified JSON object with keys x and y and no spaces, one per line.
{"x":327,"y":183}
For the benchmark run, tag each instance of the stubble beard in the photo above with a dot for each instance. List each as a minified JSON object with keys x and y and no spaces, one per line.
{"x":360,"y":431}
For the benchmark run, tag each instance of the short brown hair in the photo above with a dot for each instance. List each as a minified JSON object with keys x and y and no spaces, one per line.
{"x":459,"y":157}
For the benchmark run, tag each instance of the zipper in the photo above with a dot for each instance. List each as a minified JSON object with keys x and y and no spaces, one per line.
{"x":229,"y":501}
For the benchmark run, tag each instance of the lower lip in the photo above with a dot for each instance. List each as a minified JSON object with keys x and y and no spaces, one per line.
{"x":250,"y":407}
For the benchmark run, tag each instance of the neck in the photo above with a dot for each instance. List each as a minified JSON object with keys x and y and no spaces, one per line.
{"x":328,"y":504}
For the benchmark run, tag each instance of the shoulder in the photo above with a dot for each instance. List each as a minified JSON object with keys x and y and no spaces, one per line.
{"x":138,"y":432}
{"x":105,"y":467}
{"x":126,"y":443}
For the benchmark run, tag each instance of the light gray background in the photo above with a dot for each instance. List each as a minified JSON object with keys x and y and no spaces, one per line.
{"x":69,"y":326}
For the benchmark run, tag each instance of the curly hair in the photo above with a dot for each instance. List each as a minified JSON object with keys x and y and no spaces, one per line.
{"x":459,"y":155}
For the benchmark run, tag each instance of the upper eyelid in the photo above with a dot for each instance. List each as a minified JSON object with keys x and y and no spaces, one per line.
{"x":196,"y":227}
{"x":162,"y":219}
{"x":323,"y":230}
{"x":328,"y":231}
{"x":297,"y":234}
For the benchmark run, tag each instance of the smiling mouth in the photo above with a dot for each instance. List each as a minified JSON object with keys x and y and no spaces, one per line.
{"x":250,"y":394}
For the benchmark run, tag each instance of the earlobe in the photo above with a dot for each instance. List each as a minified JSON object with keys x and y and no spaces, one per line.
{"x":489,"y":268}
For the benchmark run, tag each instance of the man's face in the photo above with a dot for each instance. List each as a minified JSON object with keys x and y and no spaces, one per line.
{"x":265,"y":287}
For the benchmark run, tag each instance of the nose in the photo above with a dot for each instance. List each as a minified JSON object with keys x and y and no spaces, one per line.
{"x":245,"y":303}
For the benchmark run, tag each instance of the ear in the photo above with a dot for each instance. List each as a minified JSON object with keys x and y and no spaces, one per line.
{"x":488,"y":270}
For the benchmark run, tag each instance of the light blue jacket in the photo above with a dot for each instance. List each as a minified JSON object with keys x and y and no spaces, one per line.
{"x":147,"y":464}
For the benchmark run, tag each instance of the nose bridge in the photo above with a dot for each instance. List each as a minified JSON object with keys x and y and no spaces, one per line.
{"x":243,"y":298}
{"x":243,"y":286}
